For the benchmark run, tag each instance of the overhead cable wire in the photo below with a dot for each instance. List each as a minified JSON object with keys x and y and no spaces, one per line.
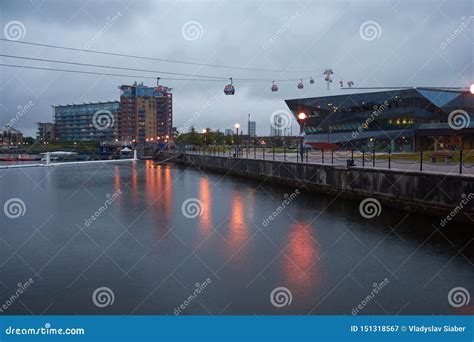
{"x":123,"y":75}
{"x":158,"y":72}
{"x":155,"y":58}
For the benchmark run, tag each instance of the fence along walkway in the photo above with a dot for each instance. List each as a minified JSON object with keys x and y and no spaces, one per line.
{"x":417,"y":161}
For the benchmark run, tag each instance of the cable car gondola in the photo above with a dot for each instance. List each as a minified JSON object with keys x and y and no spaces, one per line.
{"x":300,"y":85}
{"x":274,"y":87}
{"x":311,"y":81}
{"x":229,"y":89}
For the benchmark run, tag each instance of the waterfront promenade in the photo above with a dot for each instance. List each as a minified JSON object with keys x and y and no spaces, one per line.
{"x":398,"y":161}
{"x":427,"y":192}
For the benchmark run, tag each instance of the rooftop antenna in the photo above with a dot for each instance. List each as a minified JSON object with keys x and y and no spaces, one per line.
{"x":328,"y":73}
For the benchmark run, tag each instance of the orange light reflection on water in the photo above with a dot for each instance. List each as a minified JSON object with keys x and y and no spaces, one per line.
{"x":158,"y":191}
{"x":238,"y":230}
{"x":205,"y":196}
{"x":300,"y":264}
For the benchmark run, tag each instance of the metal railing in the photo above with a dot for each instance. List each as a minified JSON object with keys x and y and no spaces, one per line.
{"x":431,"y":161}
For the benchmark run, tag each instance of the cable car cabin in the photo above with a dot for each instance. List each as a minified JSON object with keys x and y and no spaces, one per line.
{"x":274,"y":87}
{"x":311,"y":81}
{"x":300,"y":85}
{"x":229,"y":89}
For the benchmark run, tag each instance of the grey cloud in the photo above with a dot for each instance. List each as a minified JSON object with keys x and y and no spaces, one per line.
{"x":324,"y":35}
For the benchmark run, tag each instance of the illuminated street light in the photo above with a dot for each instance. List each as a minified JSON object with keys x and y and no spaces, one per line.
{"x":472,"y":89}
{"x":237,"y":126}
{"x":301,"y":116}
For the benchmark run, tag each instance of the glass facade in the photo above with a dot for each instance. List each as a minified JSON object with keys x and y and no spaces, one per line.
{"x":76,"y":122}
{"x":384,"y":118}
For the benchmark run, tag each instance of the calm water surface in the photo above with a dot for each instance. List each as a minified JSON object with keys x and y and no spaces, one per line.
{"x":153,"y":257}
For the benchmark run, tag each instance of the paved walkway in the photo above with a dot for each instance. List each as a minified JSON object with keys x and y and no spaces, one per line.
{"x":340,"y":158}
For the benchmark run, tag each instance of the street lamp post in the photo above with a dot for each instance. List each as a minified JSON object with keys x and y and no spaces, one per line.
{"x":302,"y":117}
{"x":237,"y":126}
{"x":204,"y":133}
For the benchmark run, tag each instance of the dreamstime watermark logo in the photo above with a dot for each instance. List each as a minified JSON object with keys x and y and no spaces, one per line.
{"x":459,"y":119}
{"x":464,"y":24}
{"x":286,"y":202}
{"x":110,"y":199}
{"x":21,"y":110}
{"x":21,"y":287}
{"x":109,"y":22}
{"x":457,"y":209}
{"x":14,"y":208}
{"x":377,"y":288}
{"x":103,"y":296}
{"x":199,"y":288}
{"x":280,"y":120}
{"x":280,"y":297}
{"x":458,"y":296}
{"x":370,"y":30}
{"x":41,"y":331}
{"x":192,"y":121}
{"x":192,"y":208}
{"x":14,"y":30}
{"x":103,"y":119}
{"x":370,"y":208}
{"x":192,"y":30}
{"x":376,"y":112}
{"x":282,"y":29}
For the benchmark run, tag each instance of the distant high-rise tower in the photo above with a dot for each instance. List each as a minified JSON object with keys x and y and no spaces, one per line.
{"x":252,"y":128}
{"x":146,"y":114}
{"x":277,"y":126}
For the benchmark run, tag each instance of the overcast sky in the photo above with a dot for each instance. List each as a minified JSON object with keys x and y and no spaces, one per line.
{"x":373,"y":43}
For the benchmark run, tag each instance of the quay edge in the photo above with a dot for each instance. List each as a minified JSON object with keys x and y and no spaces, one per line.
{"x":429,"y":193}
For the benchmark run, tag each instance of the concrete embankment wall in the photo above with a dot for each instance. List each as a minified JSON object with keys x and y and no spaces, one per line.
{"x":430,"y":193}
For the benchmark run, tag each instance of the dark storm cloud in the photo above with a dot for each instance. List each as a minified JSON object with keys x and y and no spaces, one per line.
{"x":407,"y":49}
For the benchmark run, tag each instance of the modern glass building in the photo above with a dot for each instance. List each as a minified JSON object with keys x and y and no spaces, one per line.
{"x":87,"y":121}
{"x":402,"y":120}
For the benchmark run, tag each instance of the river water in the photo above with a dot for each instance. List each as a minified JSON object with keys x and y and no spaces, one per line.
{"x":143,"y":238}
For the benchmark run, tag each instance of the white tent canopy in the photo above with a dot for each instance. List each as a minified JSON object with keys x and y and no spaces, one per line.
{"x":125,"y":149}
